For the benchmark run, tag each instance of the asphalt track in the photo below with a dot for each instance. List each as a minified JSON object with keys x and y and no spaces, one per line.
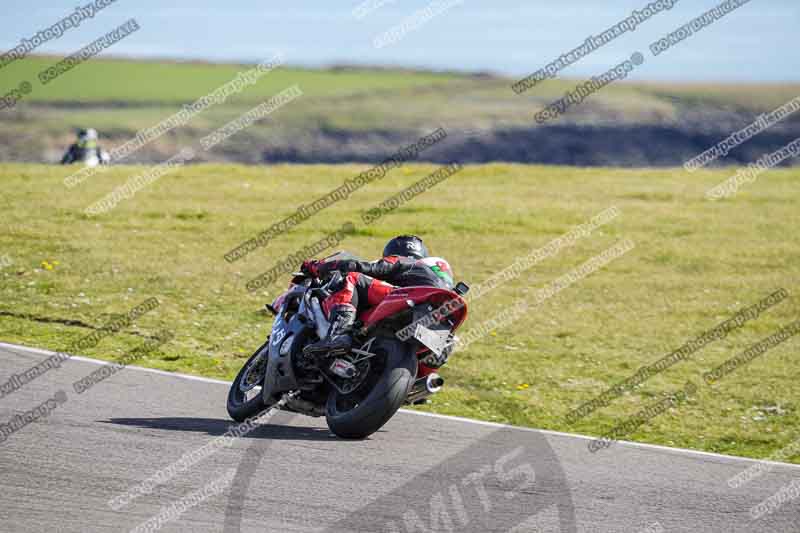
{"x":420,"y":473}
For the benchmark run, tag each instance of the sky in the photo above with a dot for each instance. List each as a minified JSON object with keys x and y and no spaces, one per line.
{"x":755,"y":43}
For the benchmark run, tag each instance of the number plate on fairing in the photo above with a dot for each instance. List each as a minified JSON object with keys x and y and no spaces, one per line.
{"x":433,"y":339}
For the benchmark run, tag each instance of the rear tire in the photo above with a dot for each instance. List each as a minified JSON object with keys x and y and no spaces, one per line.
{"x":239,"y":408}
{"x":388,"y":392}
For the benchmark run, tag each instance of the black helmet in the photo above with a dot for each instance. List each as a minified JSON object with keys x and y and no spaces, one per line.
{"x":406,"y":246}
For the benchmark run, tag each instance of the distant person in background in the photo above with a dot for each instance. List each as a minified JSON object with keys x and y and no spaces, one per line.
{"x":86,"y":150}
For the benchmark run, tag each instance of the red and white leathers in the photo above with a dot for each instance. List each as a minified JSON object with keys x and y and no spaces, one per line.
{"x":364,"y":284}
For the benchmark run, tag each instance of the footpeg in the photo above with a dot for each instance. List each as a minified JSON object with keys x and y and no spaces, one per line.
{"x":343,"y":369}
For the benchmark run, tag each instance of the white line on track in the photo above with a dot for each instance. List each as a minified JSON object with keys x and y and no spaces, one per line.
{"x":433,"y":415}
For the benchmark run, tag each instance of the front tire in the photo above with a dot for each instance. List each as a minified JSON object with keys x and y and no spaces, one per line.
{"x":239,"y":406}
{"x":364,"y":411}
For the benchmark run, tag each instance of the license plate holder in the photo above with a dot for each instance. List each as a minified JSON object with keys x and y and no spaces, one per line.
{"x":435,"y":340}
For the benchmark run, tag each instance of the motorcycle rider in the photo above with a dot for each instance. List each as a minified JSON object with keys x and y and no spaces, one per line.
{"x":82,"y":149}
{"x":405,"y":263}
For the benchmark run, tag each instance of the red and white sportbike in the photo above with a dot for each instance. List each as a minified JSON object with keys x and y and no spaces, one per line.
{"x":359,"y":391}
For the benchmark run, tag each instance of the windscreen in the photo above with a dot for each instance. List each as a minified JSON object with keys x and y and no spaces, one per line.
{"x":341,"y":256}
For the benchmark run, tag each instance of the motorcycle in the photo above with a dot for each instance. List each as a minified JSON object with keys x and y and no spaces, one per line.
{"x":101,"y":157}
{"x":89,"y":158}
{"x":360,"y":390}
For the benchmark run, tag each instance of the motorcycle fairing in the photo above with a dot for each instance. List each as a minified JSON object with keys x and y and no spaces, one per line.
{"x":398,"y":300}
{"x":279,"y":375}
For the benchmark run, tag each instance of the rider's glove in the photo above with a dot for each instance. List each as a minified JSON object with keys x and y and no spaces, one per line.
{"x":311,"y":267}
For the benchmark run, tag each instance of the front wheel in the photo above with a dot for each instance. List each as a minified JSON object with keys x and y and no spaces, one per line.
{"x":244,"y":397}
{"x":365,"y":410}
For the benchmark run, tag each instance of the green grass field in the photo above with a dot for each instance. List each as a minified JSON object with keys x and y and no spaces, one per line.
{"x":108,"y":81}
{"x":131,"y":82}
{"x":695,"y":263}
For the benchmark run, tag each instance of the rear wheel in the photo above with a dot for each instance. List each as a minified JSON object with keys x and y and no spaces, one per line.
{"x":244,"y":397}
{"x":365,"y":410}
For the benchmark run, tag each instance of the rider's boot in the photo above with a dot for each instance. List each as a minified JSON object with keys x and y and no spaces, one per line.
{"x":339,"y":339}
